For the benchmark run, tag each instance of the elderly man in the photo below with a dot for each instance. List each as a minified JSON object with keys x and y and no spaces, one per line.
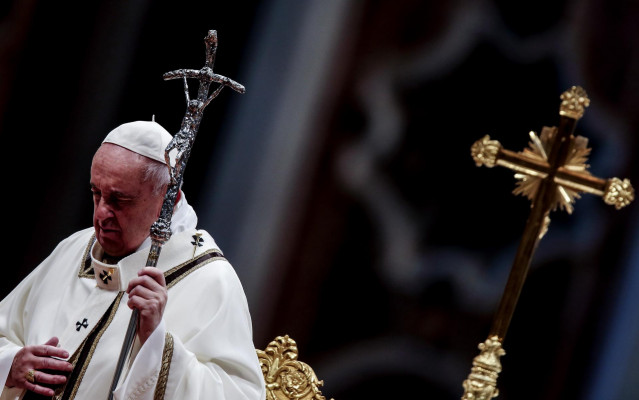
{"x":62,"y":327}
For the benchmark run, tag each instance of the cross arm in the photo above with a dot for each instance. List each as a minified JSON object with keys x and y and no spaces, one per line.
{"x":205,"y":75}
{"x":186,"y":73}
{"x":238,"y":87}
{"x":488,"y":152}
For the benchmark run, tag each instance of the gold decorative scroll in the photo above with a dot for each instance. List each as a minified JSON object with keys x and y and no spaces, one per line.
{"x":287,"y":378}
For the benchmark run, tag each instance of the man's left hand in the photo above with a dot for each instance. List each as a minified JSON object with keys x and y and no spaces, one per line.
{"x":148,"y":294}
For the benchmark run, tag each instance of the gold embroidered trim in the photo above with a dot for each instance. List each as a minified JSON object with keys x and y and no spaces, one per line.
{"x":59,"y":391}
{"x":195,"y":267}
{"x":87,"y":361}
{"x":163,"y":376}
{"x":87,"y":272}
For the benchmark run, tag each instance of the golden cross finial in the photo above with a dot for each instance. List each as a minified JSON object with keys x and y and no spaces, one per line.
{"x":552,"y":172}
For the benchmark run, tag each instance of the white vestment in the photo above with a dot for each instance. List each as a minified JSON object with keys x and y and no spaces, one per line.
{"x":202,"y":349}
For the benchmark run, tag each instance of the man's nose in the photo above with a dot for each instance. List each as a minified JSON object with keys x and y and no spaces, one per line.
{"x":102,"y":210}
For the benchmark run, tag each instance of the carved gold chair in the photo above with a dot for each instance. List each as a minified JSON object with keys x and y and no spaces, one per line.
{"x":285,"y":377}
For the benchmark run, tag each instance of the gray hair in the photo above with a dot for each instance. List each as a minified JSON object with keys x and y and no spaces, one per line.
{"x":157,"y":173}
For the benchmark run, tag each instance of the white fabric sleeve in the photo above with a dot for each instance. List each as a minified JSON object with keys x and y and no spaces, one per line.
{"x":8,"y":351}
{"x":11,"y":331}
{"x":228,"y":378}
{"x":215,"y":359}
{"x":15,"y":310}
{"x":140,"y":380}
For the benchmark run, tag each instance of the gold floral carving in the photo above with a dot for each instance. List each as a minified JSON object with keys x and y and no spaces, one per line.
{"x":287,"y":378}
{"x":485,"y":151}
{"x":482,"y":381}
{"x":619,"y":193}
{"x":573,"y":102}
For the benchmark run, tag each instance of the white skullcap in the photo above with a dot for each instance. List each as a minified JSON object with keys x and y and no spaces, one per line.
{"x":147,"y":138}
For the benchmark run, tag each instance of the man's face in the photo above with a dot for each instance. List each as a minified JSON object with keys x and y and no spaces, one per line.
{"x":124,"y":206}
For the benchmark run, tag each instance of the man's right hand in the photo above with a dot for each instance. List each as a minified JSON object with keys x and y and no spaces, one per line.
{"x":38,"y":358}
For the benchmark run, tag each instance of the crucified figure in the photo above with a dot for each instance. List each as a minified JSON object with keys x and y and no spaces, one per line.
{"x":183,"y":140}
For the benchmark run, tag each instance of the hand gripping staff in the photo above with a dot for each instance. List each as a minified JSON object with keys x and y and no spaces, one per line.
{"x":181,"y":144}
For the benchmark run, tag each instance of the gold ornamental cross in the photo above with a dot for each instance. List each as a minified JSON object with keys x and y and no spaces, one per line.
{"x":552,"y":172}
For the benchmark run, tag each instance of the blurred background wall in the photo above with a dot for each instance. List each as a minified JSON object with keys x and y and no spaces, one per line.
{"x":341,"y":187}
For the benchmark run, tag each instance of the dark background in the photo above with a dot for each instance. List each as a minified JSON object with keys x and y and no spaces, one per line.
{"x":341,"y":186}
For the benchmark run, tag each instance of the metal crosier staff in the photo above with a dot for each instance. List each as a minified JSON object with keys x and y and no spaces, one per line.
{"x":182,"y":143}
